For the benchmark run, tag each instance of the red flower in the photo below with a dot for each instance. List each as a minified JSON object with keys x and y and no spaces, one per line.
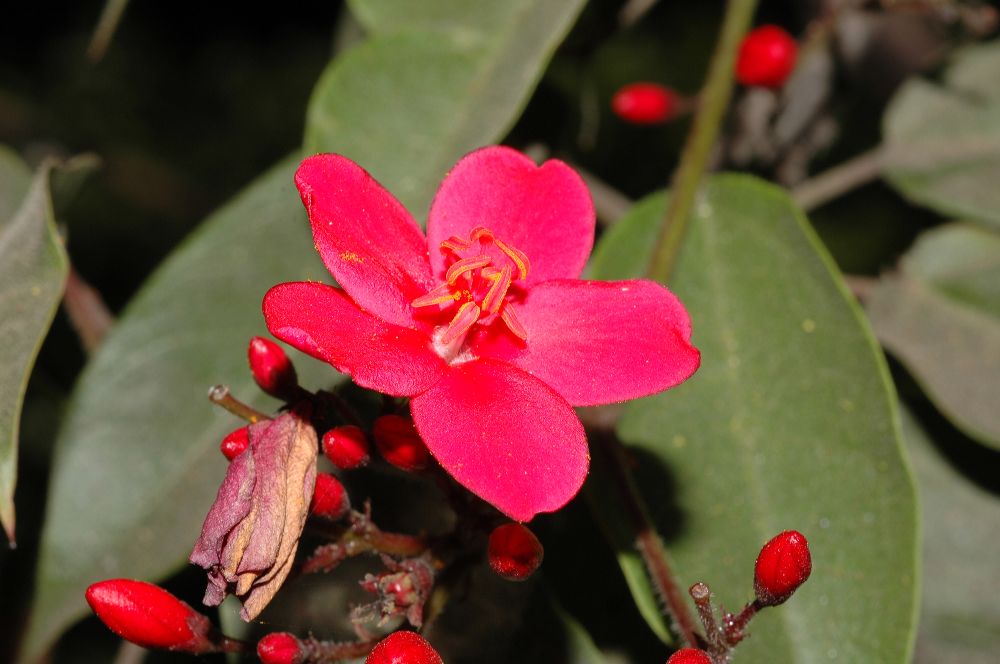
{"x":483,"y":323}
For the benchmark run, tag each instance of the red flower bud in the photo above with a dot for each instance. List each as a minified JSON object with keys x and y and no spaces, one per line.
{"x":271,"y":368}
{"x":346,"y":447}
{"x":644,"y":103}
{"x":767,"y":57}
{"x":149,"y":616}
{"x":330,"y":499}
{"x":403,"y":648}
{"x":280,"y":648}
{"x":514,"y":551}
{"x":782,"y":566}
{"x":235,"y":443}
{"x":399,"y":443}
{"x":689,"y":656}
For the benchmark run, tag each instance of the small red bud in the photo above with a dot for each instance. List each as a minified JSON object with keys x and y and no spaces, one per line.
{"x":280,"y":648}
{"x":271,"y":368}
{"x":399,"y":443}
{"x":645,"y":103}
{"x":689,"y":656}
{"x":514,"y":551}
{"x":149,"y":616}
{"x":330,"y":499}
{"x":783,"y":565}
{"x":235,"y":443}
{"x":767,"y":57}
{"x":403,"y":648}
{"x":346,"y":447}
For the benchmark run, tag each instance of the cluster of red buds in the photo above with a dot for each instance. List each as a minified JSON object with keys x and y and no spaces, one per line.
{"x":260,"y":514}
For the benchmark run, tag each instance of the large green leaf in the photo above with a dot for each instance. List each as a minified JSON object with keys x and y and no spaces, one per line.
{"x":960,"y":620}
{"x":943,"y":140}
{"x":445,"y":86}
{"x":940,"y":315}
{"x":33,"y":268}
{"x":790,"y":423}
{"x":137,"y":461}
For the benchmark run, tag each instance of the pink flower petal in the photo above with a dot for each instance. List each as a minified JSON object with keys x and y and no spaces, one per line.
{"x":597,"y":342}
{"x":544,"y":211}
{"x":323,"y":321}
{"x":505,"y":436}
{"x":367,"y":239}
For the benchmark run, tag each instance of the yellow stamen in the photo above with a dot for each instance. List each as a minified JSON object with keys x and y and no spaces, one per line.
{"x":460,"y":267}
{"x":516,"y":255}
{"x":513,"y":324}
{"x":464,"y":319}
{"x":498,"y":290}
{"x":455,"y":244}
{"x":439,"y":295}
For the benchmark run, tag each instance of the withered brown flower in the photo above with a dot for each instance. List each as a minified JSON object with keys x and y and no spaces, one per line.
{"x":252,"y":531}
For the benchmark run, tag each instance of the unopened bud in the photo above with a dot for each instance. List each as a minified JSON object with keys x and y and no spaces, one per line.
{"x":149,"y":616}
{"x":645,"y":103}
{"x":514,"y":551}
{"x":689,"y":656}
{"x":399,"y":443}
{"x":235,"y":443}
{"x":330,"y":499}
{"x":346,"y":446}
{"x":403,"y":648}
{"x":271,"y":369}
{"x":783,"y":565}
{"x":280,"y":648}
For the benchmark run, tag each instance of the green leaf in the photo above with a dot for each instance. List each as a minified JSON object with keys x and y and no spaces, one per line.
{"x":137,"y":461}
{"x":443,"y":87}
{"x":790,"y":423}
{"x":940,"y":316}
{"x":943,"y":140}
{"x":960,"y":620}
{"x":33,"y":268}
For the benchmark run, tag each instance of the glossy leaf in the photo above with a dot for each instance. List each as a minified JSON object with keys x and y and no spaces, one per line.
{"x":960,"y":619}
{"x":940,"y":316}
{"x":789,"y":424}
{"x":445,"y":86}
{"x":943,"y":140}
{"x":33,"y":268}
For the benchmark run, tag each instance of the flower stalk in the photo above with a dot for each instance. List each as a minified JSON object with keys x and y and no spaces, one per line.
{"x":714,"y":97}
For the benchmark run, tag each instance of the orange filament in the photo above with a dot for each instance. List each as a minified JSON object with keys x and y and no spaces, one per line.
{"x":480,"y":273}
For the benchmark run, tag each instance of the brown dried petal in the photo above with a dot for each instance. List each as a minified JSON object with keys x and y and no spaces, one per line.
{"x":252,"y":531}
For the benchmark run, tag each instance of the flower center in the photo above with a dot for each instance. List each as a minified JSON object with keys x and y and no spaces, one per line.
{"x":480,"y":272}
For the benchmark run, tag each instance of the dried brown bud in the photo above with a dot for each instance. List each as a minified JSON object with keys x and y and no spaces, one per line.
{"x":252,"y":531}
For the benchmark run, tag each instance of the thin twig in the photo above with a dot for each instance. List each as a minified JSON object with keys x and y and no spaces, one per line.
{"x":839,"y":180}
{"x":714,"y":100}
{"x":111,"y":16}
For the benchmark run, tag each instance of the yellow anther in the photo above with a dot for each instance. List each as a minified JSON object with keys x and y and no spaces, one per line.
{"x":460,"y":267}
{"x":515,"y":255}
{"x":455,"y":244}
{"x":498,"y":290}
{"x":465,"y":318}
{"x":439,"y":295}
{"x":513,"y":324}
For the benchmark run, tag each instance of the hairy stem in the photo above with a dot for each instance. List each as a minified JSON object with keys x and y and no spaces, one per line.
{"x":714,"y":99}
